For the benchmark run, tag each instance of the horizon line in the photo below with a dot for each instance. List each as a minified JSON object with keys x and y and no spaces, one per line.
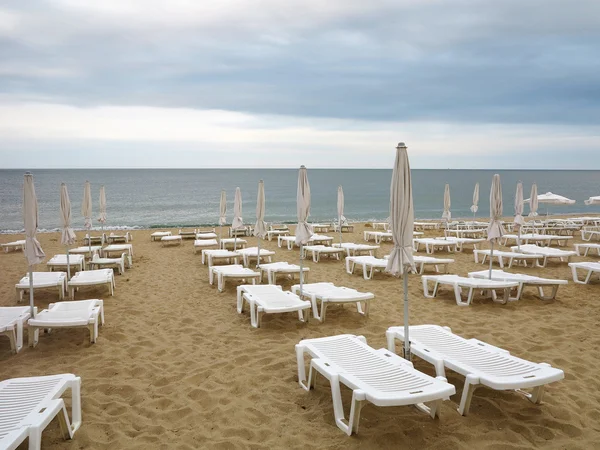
{"x":285,"y":168}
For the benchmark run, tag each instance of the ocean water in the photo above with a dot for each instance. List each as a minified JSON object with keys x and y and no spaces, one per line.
{"x":148,"y":198}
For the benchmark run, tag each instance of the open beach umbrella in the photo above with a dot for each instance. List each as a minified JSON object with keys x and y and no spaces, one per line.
{"x":222,"y":213}
{"x":446,"y":215}
{"x":303,"y":229}
{"x":474,"y":206}
{"x":340,"y":210}
{"x":260,"y":228}
{"x":33,"y":250}
{"x":553,"y":199}
{"x":102,"y":216}
{"x":67,"y":236}
{"x":401,"y":227}
{"x":533,"y":201}
{"x":495,"y":229}
{"x":86,"y":211}
{"x":593,"y":201}
{"x":237,"y":222}
{"x":519,"y":221}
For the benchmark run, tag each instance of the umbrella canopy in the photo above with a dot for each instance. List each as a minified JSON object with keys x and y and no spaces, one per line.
{"x":86,"y":205}
{"x":593,"y":201}
{"x":533,"y":201}
{"x":67,"y":234}
{"x":474,"y":207}
{"x":303,"y":230}
{"x":519,"y":205}
{"x":553,"y":199}
{"x":33,"y":249}
{"x":223,"y":208}
{"x":495,"y":229}
{"x":260,"y":228}
{"x":446,"y":214}
{"x":237,"y":222}
{"x":340,"y":205}
{"x":102,"y":217}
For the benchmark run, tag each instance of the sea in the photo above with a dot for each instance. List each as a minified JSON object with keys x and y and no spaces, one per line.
{"x":161,"y":198}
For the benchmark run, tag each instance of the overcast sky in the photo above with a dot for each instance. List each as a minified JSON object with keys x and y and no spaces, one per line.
{"x":279,"y":83}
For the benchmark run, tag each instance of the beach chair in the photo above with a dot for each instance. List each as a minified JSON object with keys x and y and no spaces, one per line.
{"x":13,"y":246}
{"x":113,"y":238}
{"x":275,"y":269}
{"x":271,"y":299}
{"x":458,"y":284}
{"x":319,"y":239}
{"x":482,"y":364}
{"x":328,"y":293}
{"x":377,"y":236}
{"x":357,"y":249}
{"x":71,"y":314}
{"x":201,"y":244}
{"x":461,"y":242}
{"x":422,"y":226}
{"x":232,"y":271}
{"x":482,"y":255}
{"x":251,"y":254}
{"x":426,"y":261}
{"x":95,"y":239}
{"x":12,"y":323}
{"x":377,"y":376}
{"x":43,"y":280}
{"x":171,"y":240}
{"x":109,"y":263}
{"x":290,"y":241}
{"x":59,"y":263}
{"x":118,"y":249}
{"x":317,"y":251}
{"x":591,"y":268}
{"x":369,"y":265}
{"x":276,"y":232}
{"x":320,"y":227}
{"x":433,"y":244}
{"x":96,"y":277}
{"x":157,"y":235}
{"x":588,"y":235}
{"x":231,"y":243}
{"x":30,"y":404}
{"x":546,"y":253}
{"x":187,"y":234}
{"x":584,"y":249}
{"x":524,"y":281}
{"x":211,"y":257}
{"x":87,"y":251}
{"x":210,"y":235}
{"x":243,"y":231}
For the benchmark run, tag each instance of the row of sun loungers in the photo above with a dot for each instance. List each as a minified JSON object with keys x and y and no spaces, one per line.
{"x":58,"y":280}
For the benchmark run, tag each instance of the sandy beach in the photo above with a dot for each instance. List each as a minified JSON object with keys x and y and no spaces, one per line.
{"x":176,"y":367}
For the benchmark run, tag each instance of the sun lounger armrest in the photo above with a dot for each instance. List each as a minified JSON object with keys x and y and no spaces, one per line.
{"x":488,"y":346}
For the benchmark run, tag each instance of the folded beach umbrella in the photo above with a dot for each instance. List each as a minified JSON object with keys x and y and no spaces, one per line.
{"x":222,"y":212}
{"x":340,"y":210}
{"x":33,"y":250}
{"x":474,"y":207}
{"x":86,"y":210}
{"x":519,"y":221}
{"x":533,"y":201}
{"x":237,"y":222}
{"x":67,"y":236}
{"x":102,"y":217}
{"x":402,"y":219}
{"x":446,"y":215}
{"x":495,"y":229}
{"x":593,"y":201}
{"x":260,"y":228}
{"x":303,"y":229}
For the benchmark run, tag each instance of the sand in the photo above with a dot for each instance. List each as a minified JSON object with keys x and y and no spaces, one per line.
{"x":177,"y":367}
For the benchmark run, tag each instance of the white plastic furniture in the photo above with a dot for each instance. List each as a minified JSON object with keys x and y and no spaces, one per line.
{"x":206,"y":235}
{"x":320,"y":227}
{"x":109,"y":263}
{"x":12,"y":323}
{"x":524,"y":280}
{"x":590,"y":268}
{"x":433,"y":244}
{"x":328,"y":293}
{"x":13,"y":246}
{"x":319,"y":239}
{"x":534,"y":238}
{"x":481,"y":256}
{"x":275,"y":269}
{"x":382,"y":225}
{"x":59,"y":262}
{"x":270,"y":299}
{"x":30,"y":404}
{"x":546,"y":253}
{"x":212,"y":257}
{"x":353,"y":249}
{"x":98,"y":277}
{"x":584,"y":249}
{"x":427,"y":261}
{"x":71,"y":314}
{"x":289,"y":241}
{"x":157,"y":235}
{"x":231,"y":243}
{"x":588,"y":235}
{"x":377,"y":236}
{"x":377,"y":376}
{"x":458,"y":284}
{"x":201,"y":244}
{"x":119,"y":249}
{"x":482,"y":364}
{"x":95,"y":239}
{"x":369,"y":265}
{"x":113,"y":238}
{"x":232,"y":271}
{"x":422,"y":226}
{"x":171,"y":240}
{"x":187,"y":234}
{"x":86,"y":250}
{"x":276,"y":233}
{"x":251,"y":254}
{"x":244,"y":231}
{"x":346,"y":227}
{"x":318,"y":251}
{"x":466,"y":232}
{"x":464,"y":241}
{"x":43,"y":280}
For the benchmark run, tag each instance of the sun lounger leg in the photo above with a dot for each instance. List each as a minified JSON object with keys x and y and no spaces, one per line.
{"x":471,"y":383}
{"x":301,"y":368}
{"x":426,"y":288}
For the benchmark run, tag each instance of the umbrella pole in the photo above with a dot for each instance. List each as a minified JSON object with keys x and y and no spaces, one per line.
{"x":406,"y":337}
{"x":31,"y":291}
{"x":340,"y":229}
{"x":235,"y":240}
{"x":491,"y":259}
{"x":519,"y":237}
{"x":68,"y":265}
{"x":258,"y":253}
{"x":301,"y":270}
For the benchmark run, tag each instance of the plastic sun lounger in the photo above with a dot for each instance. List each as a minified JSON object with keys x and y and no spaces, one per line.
{"x":200,"y":244}
{"x":114,"y":238}
{"x":119,"y":249}
{"x":458,"y":283}
{"x":290,"y":241}
{"x":501,"y":256}
{"x":369,"y":265}
{"x":377,"y":236}
{"x":206,"y":235}
{"x":96,"y":277}
{"x":319,"y":239}
{"x":87,"y":251}
{"x":159,"y":234}
{"x":377,"y":376}
{"x":545,"y":239}
{"x":73,"y":314}
{"x":12,"y":322}
{"x":59,"y":262}
{"x":382,"y":225}
{"x":320,"y":227}
{"x":95,"y":239}
{"x":275,"y":269}
{"x":423,"y":261}
{"x":329,"y":293}
{"x":482,"y":364}
{"x":357,"y":249}
{"x":251,"y":254}
{"x":187,"y":234}
{"x":211,"y":257}
{"x":277,"y":232}
{"x":30,"y":404}
{"x":321,"y":250}
{"x":109,"y":263}
{"x":463,"y":241}
{"x":167,"y":240}
{"x":42,"y":280}
{"x":420,"y":226}
{"x":232,"y":271}
{"x":546,"y":253}
{"x":585,"y":249}
{"x":433,"y":244}
{"x":13,"y":246}
{"x":591,"y":267}
{"x":524,"y":281}
{"x":346,"y":227}
{"x":230,"y":243}
{"x":273,"y":300}
{"x":588,"y":235}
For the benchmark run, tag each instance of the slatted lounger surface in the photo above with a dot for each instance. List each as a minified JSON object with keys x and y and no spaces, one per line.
{"x":433,"y":244}
{"x":584,"y":249}
{"x":320,"y":227}
{"x":42,"y":280}
{"x":12,"y":323}
{"x":545,"y":239}
{"x":523,"y":280}
{"x":230,"y":243}
{"x":168,"y":240}
{"x":357,"y":249}
{"x":382,"y":225}
{"x":281,"y":268}
{"x":87,"y":251}
{"x":482,"y":364}
{"x":188,"y":234}
{"x":458,"y":283}
{"x":546,"y":253}
{"x":95,"y":239}
{"x":369,"y":265}
{"x":209,"y":235}
{"x":482,"y":255}
{"x":59,"y":262}
{"x":30,"y":404}
{"x":377,"y":236}
{"x":113,"y":238}
{"x":271,"y":299}
{"x":290,"y":241}
{"x":466,"y":232}
{"x":211,"y":257}
{"x":273,"y":233}
{"x":13,"y":246}
{"x":233,"y":271}
{"x":200,"y":244}
{"x":329,"y":293}
{"x":590,"y":267}
{"x":423,"y":261}
{"x":321,"y":250}
{"x":110,"y":263}
{"x":75,"y":314}
{"x":345,"y":227}
{"x":463,"y":241}
{"x":426,"y":226}
{"x":251,"y":254}
{"x":377,"y":376}
{"x":157,"y":235}
{"x":319,"y":239}
{"x":118,"y":249}
{"x":96,"y":277}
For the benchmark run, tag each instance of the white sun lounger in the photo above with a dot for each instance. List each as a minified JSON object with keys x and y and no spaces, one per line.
{"x":109,"y":263}
{"x":546,"y":253}
{"x":357,"y":249}
{"x":433,"y":244}
{"x":329,"y":293}
{"x":346,"y":227}
{"x":523,"y":280}
{"x":113,"y":238}
{"x":12,"y":323}
{"x":458,"y":283}
{"x":423,"y":261}
{"x":276,"y":233}
{"x":463,"y":241}
{"x":544,"y":239}
{"x":382,"y":225}
{"x":274,"y":269}
{"x":320,"y":227}
{"x":74,"y":314}
{"x":87,"y":251}
{"x":588,"y":235}
{"x":585,"y":249}
{"x":319,"y":239}
{"x":13,"y":246}
{"x":118,"y":249}
{"x":421,"y":226}
{"x":95,"y":239}
{"x":466,"y":232}
{"x":230,"y":243}
{"x":271,"y":299}
{"x":482,"y":364}
{"x":42,"y":280}
{"x":157,"y":235}
{"x":59,"y":262}
{"x":590,"y":267}
{"x":317,"y":251}
{"x":200,"y":244}
{"x":290,"y":241}
{"x":187,"y":234}
{"x":377,"y":236}
{"x":206,"y":235}
{"x":168,"y":240}
{"x":377,"y":376}
{"x":96,"y":277}
{"x":231,"y":271}
{"x":30,"y":404}
{"x":251,"y":254}
{"x":369,"y":265}
{"x":211,"y":257}
{"x":482,"y":255}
